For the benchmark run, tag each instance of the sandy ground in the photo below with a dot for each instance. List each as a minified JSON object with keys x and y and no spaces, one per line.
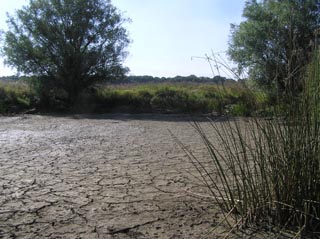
{"x":107,"y":176}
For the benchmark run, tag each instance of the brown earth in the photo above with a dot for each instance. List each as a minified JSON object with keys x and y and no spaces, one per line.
{"x":107,"y":176}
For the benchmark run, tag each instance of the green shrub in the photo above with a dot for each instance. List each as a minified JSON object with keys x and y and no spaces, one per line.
{"x":239,"y":110}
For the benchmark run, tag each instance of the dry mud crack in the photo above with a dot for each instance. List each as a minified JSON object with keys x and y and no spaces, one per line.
{"x":111,"y":176}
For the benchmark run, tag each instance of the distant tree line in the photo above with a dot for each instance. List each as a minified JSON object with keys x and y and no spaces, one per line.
{"x":10,"y":78}
{"x":176,"y":79}
{"x":148,"y":79}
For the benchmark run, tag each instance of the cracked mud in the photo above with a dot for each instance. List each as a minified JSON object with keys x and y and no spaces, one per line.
{"x":111,"y":176}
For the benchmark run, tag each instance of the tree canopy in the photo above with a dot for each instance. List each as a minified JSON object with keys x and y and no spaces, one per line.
{"x":274,"y":42}
{"x":68,"y":44}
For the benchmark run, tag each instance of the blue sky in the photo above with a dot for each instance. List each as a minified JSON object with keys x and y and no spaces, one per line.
{"x":165,"y":34}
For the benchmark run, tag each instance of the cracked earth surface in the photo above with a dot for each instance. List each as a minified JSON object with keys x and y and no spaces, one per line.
{"x":111,"y":176}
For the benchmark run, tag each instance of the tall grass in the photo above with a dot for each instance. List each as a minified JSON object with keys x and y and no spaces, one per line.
{"x":15,"y":97}
{"x":181,"y":98}
{"x":268,"y":170}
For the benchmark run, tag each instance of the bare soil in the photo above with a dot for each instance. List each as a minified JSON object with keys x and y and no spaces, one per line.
{"x":101,"y":176}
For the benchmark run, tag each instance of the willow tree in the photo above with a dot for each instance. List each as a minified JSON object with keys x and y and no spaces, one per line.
{"x":275,"y":41}
{"x":67,"y":44}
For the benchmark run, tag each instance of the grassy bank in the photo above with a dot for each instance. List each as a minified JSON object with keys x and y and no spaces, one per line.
{"x":181,"y":98}
{"x":230,"y":98}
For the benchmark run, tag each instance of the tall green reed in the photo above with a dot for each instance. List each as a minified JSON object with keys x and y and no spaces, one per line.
{"x":268,"y":170}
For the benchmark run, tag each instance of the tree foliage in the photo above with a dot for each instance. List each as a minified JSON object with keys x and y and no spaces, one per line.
{"x":274,"y":42}
{"x":68,"y":44}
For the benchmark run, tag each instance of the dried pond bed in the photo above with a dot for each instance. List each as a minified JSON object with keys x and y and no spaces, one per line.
{"x":107,"y":176}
